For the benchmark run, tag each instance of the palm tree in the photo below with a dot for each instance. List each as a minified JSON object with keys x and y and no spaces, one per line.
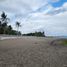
{"x":0,"y":23}
{"x":18,"y":25}
{"x":3,"y":16}
{"x":4,"y":21}
{"x":0,"y":27}
{"x":9,"y":29}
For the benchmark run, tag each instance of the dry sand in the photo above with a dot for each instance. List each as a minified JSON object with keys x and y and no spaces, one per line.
{"x":32,"y":52}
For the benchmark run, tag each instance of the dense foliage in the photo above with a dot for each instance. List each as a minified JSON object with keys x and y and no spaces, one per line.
{"x":5,"y":28}
{"x":39,"y":34}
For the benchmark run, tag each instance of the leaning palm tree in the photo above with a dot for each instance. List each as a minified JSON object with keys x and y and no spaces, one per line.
{"x":18,"y":25}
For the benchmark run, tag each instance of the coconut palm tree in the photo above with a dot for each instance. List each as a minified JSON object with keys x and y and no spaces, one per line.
{"x":4,"y":20}
{"x":18,"y":25}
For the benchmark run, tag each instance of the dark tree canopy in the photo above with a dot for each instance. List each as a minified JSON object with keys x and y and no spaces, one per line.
{"x":3,"y":16}
{"x":5,"y":28}
{"x":39,"y":34}
{"x":18,"y":24}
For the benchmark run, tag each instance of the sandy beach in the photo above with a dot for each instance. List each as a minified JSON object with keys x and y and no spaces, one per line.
{"x":32,"y":52}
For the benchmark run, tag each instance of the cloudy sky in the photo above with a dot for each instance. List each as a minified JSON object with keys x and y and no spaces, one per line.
{"x":37,"y":15}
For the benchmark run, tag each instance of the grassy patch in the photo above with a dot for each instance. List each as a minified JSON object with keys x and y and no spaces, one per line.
{"x":64,"y":42}
{"x":59,"y":42}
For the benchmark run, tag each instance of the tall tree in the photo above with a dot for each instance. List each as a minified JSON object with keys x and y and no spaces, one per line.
{"x":9,"y":29}
{"x":18,"y":25}
{"x":0,"y":26}
{"x":0,"y":23}
{"x":4,"y":21}
{"x":3,"y":16}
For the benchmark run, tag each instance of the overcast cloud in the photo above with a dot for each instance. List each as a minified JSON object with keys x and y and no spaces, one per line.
{"x":37,"y":15}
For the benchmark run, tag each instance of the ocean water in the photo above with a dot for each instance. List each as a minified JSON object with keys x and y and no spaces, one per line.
{"x":65,"y":37}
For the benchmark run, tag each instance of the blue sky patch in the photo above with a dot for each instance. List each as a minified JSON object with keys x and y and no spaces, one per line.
{"x":58,"y":4}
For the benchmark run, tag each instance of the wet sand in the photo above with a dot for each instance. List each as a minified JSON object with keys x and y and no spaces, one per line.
{"x":32,"y":52}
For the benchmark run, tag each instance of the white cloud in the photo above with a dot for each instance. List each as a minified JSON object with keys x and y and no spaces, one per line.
{"x":37,"y":15}
{"x":51,"y":24}
{"x":65,"y":5}
{"x":21,"y":8}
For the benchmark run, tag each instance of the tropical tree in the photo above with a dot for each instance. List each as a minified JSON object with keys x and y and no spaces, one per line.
{"x":18,"y":25}
{"x":0,"y":27}
{"x":3,"y":16}
{"x":4,"y":21}
{"x":9,"y":29}
{"x":0,"y":24}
